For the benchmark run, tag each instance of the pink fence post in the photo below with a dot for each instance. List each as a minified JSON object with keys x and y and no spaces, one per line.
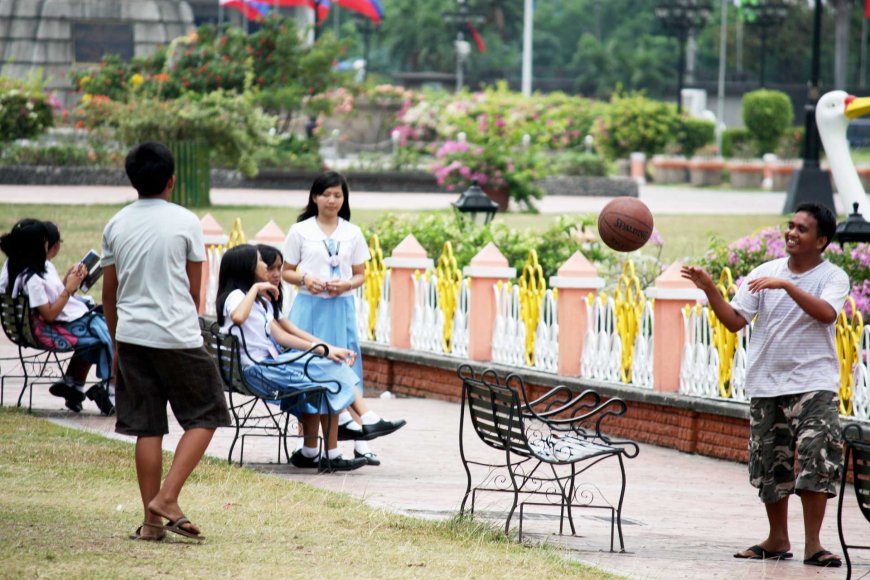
{"x":672,"y":293}
{"x":487,"y":268}
{"x":576,"y":279}
{"x":271,"y":235}
{"x":408,"y":257}
{"x":213,"y":235}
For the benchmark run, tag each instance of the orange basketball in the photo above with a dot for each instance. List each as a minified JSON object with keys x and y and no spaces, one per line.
{"x":625,"y":224}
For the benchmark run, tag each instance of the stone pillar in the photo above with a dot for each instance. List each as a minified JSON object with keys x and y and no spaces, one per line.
{"x":671,"y":292}
{"x":637,"y":167}
{"x":213,"y":235}
{"x":576,"y":279}
{"x":408,"y":257}
{"x":488,"y":267}
{"x":271,"y":235}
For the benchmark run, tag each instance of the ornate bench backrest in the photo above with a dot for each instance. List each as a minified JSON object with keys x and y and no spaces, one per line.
{"x":15,"y":318}
{"x":495,"y":413}
{"x":224,"y":348}
{"x":859,"y":442}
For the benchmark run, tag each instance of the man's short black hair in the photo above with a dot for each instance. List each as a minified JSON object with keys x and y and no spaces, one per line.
{"x":149,"y":167}
{"x":826,"y":221}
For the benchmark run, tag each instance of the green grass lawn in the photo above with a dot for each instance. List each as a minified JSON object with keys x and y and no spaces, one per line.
{"x":69,"y":499}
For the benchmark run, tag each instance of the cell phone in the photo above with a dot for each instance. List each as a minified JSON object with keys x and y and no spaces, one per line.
{"x":91,"y":261}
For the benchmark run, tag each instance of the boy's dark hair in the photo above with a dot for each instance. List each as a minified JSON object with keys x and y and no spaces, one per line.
{"x":24,"y":245}
{"x":269,"y":255}
{"x":321,"y":183}
{"x":149,"y":167}
{"x":238,"y":272}
{"x":826,"y":221}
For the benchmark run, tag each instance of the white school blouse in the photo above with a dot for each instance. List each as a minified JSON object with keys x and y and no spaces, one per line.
{"x":305,"y":247}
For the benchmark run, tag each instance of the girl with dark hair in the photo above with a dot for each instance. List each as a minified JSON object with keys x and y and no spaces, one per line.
{"x":247,"y":306}
{"x":61,"y":320}
{"x":325,"y":256}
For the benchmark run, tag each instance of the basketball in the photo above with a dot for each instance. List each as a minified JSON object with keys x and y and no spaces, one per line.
{"x":625,"y":224}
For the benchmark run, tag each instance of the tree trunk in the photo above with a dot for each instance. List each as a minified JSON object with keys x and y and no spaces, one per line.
{"x":841,"y":46}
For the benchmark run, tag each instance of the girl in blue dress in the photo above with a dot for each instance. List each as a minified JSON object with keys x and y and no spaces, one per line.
{"x":247,"y":307}
{"x":325,"y":256}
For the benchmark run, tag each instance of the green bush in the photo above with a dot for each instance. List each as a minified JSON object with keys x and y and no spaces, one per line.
{"x":791,"y":145}
{"x":554,"y":246}
{"x":292,"y":152}
{"x":24,"y":110}
{"x":767,"y":115}
{"x":635,"y":123}
{"x":61,"y":154}
{"x":574,"y":163}
{"x":692,"y":134}
{"x":235,"y":129}
{"x":736,"y":143}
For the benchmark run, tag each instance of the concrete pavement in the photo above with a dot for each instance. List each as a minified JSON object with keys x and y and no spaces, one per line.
{"x":684,"y":515}
{"x":660,"y":199}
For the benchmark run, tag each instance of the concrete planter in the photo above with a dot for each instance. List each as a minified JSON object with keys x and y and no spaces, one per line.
{"x":745,"y":172}
{"x":864,"y":175}
{"x":706,"y":171}
{"x":782,"y":174}
{"x":670,"y":169}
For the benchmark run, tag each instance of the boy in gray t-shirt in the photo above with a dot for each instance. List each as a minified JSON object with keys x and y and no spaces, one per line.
{"x":792,"y":379}
{"x":153,"y":255}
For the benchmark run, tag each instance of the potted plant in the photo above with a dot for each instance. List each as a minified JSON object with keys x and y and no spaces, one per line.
{"x":670,"y":168}
{"x":747,"y":173}
{"x":503,"y":173}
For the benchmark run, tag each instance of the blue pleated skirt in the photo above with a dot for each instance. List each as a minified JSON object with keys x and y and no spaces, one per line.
{"x":272,"y":381}
{"x":332,"y":320}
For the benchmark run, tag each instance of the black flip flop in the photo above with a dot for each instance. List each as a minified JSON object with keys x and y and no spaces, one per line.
{"x":816,"y":560}
{"x":174,"y":526}
{"x":762,"y":554}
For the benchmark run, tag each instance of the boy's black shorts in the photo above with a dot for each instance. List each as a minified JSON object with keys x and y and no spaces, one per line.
{"x":148,"y":378}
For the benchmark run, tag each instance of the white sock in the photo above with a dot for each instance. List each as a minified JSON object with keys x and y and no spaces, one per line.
{"x":362,"y":447}
{"x":300,"y":442}
{"x":344,"y":417}
{"x":353,"y":426}
{"x":333,"y":453}
{"x":310,"y":452}
{"x":369,"y":418}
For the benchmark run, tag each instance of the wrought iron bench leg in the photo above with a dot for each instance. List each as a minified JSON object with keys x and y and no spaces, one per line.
{"x":619,"y":506}
{"x":840,"y":511}
{"x":507,"y":523}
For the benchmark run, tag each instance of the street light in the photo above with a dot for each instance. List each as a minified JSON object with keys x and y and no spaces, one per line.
{"x":366,"y":28}
{"x":765,"y":15}
{"x":476,"y":203}
{"x":855,"y":229}
{"x":463,"y":18}
{"x":681,"y":18}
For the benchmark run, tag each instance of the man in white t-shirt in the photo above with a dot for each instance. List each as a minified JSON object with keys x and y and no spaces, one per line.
{"x":153,"y":254}
{"x":792,"y":378}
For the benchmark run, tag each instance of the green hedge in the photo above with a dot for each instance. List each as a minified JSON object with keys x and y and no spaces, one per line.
{"x":767,"y":115}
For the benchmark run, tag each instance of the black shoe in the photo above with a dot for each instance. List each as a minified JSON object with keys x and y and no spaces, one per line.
{"x":299,"y":460}
{"x":346,"y":434}
{"x":340,"y":464}
{"x":380,"y":429}
{"x":99,"y":394}
{"x":371,"y":458}
{"x":73,"y":396}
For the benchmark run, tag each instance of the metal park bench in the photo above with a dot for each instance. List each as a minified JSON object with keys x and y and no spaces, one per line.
{"x":545,"y":444}
{"x":857,"y":446}
{"x":253,"y":414}
{"x":36,"y":363}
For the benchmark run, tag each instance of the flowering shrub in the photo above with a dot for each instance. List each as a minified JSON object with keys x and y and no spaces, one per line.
{"x":24,"y":110}
{"x":493,"y":166}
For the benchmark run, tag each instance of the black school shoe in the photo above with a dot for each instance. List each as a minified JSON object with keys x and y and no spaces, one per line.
{"x":380,"y":429}
{"x":326,"y":465}
{"x":72,"y":395}
{"x":99,"y":394}
{"x":370,"y":457}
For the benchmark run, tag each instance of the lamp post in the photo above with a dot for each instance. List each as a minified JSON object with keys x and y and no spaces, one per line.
{"x":476,"y":203}
{"x":810,"y":183}
{"x":462,"y":17}
{"x":855,"y":229}
{"x":366,"y":28}
{"x":681,"y":18}
{"x":765,"y":15}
